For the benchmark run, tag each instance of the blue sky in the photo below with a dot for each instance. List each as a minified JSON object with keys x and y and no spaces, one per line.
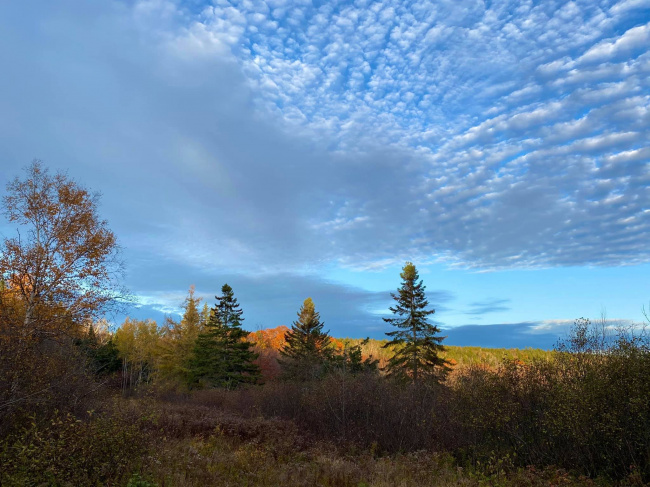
{"x":298,"y":149}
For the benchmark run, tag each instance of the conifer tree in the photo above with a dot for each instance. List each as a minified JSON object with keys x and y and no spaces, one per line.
{"x":307,"y":350}
{"x":221,"y":356}
{"x":352,"y":361}
{"x":418,"y":346}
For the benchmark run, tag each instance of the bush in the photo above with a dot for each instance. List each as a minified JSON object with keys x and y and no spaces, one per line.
{"x":587,"y":410}
{"x":582,"y":409}
{"x":67,"y":451}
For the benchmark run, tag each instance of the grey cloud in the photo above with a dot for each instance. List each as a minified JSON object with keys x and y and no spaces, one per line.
{"x":272,"y":300}
{"x":516,"y":335}
{"x":488,"y":306}
{"x":166,"y":114}
{"x":268,"y":299}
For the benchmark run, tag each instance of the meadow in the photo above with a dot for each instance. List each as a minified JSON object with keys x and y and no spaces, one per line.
{"x":502,"y":417}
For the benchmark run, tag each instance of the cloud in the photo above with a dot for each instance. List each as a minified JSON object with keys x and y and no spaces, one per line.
{"x":488,"y":306}
{"x":514,"y":335}
{"x":250,"y":138}
{"x":635,"y":38}
{"x":270,"y":300}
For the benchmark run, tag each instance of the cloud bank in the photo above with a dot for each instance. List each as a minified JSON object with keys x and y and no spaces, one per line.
{"x":273,"y":138}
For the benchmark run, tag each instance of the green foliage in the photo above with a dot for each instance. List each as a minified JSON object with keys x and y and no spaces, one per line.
{"x":137,"y":480}
{"x":351,"y":360}
{"x":458,"y":357}
{"x":103,"y":358}
{"x":137,"y":344}
{"x":221,"y":356}
{"x":419,"y":347}
{"x":176,"y":346}
{"x":67,"y":451}
{"x":307,"y":352}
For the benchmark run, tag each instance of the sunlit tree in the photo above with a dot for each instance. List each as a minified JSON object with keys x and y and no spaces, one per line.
{"x":222,"y":357}
{"x":63,"y":261}
{"x":416,"y":341}
{"x":137,"y":342}
{"x":59,"y":271}
{"x":178,"y":340}
{"x":307,"y":351}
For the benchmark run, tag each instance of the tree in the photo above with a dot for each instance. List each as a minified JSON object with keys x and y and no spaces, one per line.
{"x":100,"y":350}
{"x":351,"y":360}
{"x":59,"y":271}
{"x":307,"y":350}
{"x":178,"y":340}
{"x":416,"y":341}
{"x":222,"y":358}
{"x":64,"y":262}
{"x":137,"y":343}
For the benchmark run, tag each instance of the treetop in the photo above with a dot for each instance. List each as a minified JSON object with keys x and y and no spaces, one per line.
{"x":409,"y":272}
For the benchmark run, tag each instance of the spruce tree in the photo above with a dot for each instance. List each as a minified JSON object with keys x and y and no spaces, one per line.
{"x":221,"y":356}
{"x":307,"y":350}
{"x":351,"y":360}
{"x":416,"y":341}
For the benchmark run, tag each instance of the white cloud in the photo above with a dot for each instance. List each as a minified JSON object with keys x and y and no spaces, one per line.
{"x":513,"y":135}
{"x":635,"y":38}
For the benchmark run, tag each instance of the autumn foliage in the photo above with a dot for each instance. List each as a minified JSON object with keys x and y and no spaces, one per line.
{"x":84,"y":404}
{"x":57,"y":273}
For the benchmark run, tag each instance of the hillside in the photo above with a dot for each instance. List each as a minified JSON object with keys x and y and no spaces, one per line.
{"x":269,"y":341}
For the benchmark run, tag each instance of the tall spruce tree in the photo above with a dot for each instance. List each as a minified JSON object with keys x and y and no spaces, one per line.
{"x":416,"y":341}
{"x":307,"y":352}
{"x":221,"y":356}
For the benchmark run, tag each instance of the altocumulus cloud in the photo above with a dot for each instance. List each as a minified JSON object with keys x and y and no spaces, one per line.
{"x":273,"y":138}
{"x":525,"y":125}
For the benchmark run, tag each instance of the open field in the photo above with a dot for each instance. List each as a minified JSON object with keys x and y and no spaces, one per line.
{"x":459,"y":356}
{"x":189,"y":441}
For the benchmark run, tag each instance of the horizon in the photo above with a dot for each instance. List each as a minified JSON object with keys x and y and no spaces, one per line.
{"x":308,"y":149}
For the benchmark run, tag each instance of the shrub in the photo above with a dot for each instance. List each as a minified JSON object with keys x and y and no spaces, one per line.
{"x":67,"y":451}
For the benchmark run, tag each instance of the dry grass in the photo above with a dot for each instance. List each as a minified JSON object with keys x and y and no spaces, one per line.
{"x":199,"y":445}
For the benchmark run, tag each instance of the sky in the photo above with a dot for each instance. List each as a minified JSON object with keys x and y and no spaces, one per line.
{"x":309,"y":149}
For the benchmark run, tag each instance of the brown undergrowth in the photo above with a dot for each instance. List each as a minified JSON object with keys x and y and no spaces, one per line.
{"x":199,"y":443}
{"x":202,"y":440}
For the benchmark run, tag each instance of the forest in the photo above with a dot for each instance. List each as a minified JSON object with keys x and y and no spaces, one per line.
{"x":198,"y":400}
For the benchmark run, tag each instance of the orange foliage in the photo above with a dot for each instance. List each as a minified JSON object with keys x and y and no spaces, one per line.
{"x":269,"y":338}
{"x":67,"y":259}
{"x":268,"y":342}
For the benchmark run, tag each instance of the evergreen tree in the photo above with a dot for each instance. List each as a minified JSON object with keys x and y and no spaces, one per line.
{"x":307,"y":352}
{"x":103,"y":358}
{"x":418,"y":346}
{"x":351,"y":360}
{"x":221,"y":356}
